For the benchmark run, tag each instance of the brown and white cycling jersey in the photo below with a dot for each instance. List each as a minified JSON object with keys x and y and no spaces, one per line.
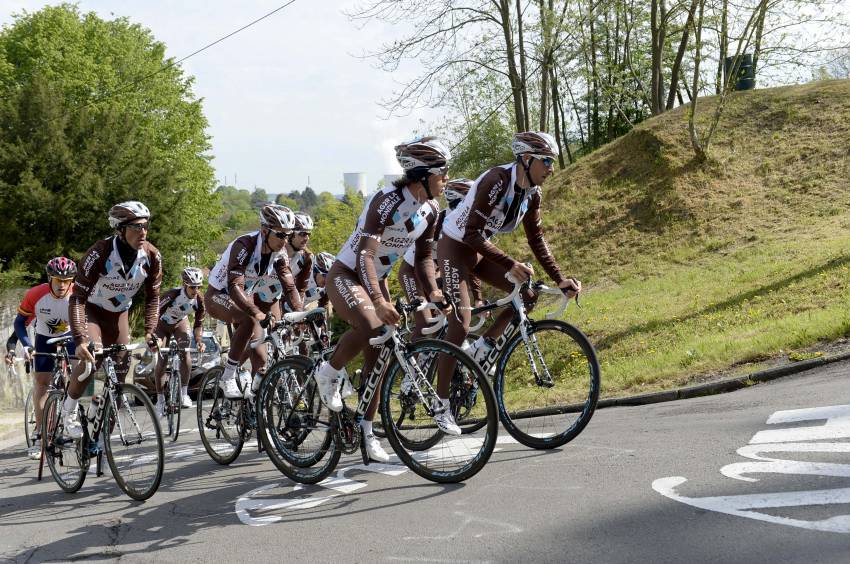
{"x":242,"y":266}
{"x":175,"y":306}
{"x":496,"y":204}
{"x":103,"y":280}
{"x":392,"y":221}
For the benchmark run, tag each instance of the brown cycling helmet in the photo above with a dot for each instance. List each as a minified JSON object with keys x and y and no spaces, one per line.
{"x":456,"y":191}
{"x":423,"y":154}
{"x":536,"y":143}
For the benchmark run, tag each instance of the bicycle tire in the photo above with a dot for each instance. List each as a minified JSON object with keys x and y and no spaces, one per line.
{"x":55,"y":451}
{"x":515,"y":409}
{"x":217,"y":420}
{"x":174,"y":406}
{"x":433,"y":464}
{"x":133,"y":437}
{"x":29,"y":418}
{"x":280,"y":440}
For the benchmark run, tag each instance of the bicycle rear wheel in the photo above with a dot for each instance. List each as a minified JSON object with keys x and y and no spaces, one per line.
{"x":450,"y":458}
{"x":133,"y":442}
{"x":295,"y":427}
{"x":218,"y":419}
{"x":65,"y":456}
{"x":548,"y":404}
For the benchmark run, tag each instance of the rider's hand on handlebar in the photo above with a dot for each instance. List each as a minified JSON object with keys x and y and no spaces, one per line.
{"x":386,"y":313}
{"x":84,"y":353}
{"x":521,"y":272}
{"x":571,"y":287}
{"x":437,"y":298}
{"x":151,"y":341}
{"x":10,"y":358}
{"x":28,"y":356}
{"x":259,"y":316}
{"x":202,"y":347}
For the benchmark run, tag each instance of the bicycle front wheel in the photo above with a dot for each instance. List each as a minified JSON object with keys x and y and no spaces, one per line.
{"x":436,"y":456}
{"x":65,"y":456}
{"x":133,"y":442}
{"x":295,"y":427}
{"x":29,"y":419}
{"x":218,"y":419}
{"x":547,"y":386}
{"x":173,"y":406}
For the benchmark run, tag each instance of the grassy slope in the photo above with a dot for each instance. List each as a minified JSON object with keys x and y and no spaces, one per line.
{"x":692,"y":269}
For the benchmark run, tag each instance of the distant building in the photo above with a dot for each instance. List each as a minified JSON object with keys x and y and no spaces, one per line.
{"x":356,"y":181}
{"x":390,"y":178}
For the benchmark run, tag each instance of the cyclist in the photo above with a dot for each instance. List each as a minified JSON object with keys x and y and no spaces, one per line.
{"x":316,"y":290}
{"x":499,"y":200}
{"x":111,"y":273}
{"x":455,"y":192}
{"x":268,"y":288}
{"x":48,"y":304}
{"x":175,"y":305}
{"x":392,"y":220}
{"x":247,"y":260}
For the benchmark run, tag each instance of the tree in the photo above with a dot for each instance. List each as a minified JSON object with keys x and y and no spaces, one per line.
{"x":259,"y":198}
{"x":92,"y":116}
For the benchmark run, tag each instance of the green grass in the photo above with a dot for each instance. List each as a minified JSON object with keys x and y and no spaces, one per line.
{"x":690,"y":269}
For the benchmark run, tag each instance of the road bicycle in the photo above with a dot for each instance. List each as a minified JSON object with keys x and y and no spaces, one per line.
{"x":227,"y":424}
{"x":305,"y":440}
{"x":120,"y":423}
{"x":171,"y":355}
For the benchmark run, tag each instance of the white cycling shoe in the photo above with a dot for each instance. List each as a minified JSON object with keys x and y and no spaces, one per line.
{"x":186,"y":402}
{"x":374,"y":450}
{"x":327,"y":378}
{"x":34,"y":451}
{"x":73,"y":428}
{"x":443,"y":417}
{"x":229,"y":387}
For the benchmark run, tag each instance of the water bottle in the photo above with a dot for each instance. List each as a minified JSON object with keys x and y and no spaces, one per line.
{"x":96,"y":402}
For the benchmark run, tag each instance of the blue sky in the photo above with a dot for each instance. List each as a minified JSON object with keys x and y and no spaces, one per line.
{"x":285,"y":98}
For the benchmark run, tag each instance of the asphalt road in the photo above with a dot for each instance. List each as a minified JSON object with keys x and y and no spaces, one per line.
{"x":757,"y":475}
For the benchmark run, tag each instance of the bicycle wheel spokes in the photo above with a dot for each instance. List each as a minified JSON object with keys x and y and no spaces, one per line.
{"x":547,"y":402}
{"x":218,"y":419}
{"x":29,"y":419}
{"x":133,"y":442}
{"x":296,"y":427}
{"x":417,"y":440}
{"x":64,"y":456}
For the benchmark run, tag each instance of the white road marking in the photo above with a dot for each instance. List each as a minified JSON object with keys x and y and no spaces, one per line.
{"x":791,"y":440}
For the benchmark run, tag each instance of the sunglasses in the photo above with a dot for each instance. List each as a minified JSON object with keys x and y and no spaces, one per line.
{"x":547,"y":161}
{"x":138,"y":226}
{"x":439,"y":171}
{"x":280,"y":234}
{"x":303,"y":233}
{"x":193,"y":287}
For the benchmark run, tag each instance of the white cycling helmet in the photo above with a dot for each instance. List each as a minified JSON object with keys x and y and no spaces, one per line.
{"x":192,"y":276}
{"x":303,"y":222}
{"x":536,"y":143}
{"x":125,"y":212}
{"x":277,"y":217}
{"x":322,"y":263}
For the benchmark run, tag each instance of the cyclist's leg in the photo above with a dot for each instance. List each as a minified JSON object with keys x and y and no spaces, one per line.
{"x":352,"y":303}
{"x":163,"y":331}
{"x":411,"y":285}
{"x":456,"y":261}
{"x":494,"y":274}
{"x":220,"y":306}
{"x":181,"y":335}
{"x":41,"y":379}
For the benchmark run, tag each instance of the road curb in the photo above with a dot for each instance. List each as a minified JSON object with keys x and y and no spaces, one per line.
{"x":722,"y":386}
